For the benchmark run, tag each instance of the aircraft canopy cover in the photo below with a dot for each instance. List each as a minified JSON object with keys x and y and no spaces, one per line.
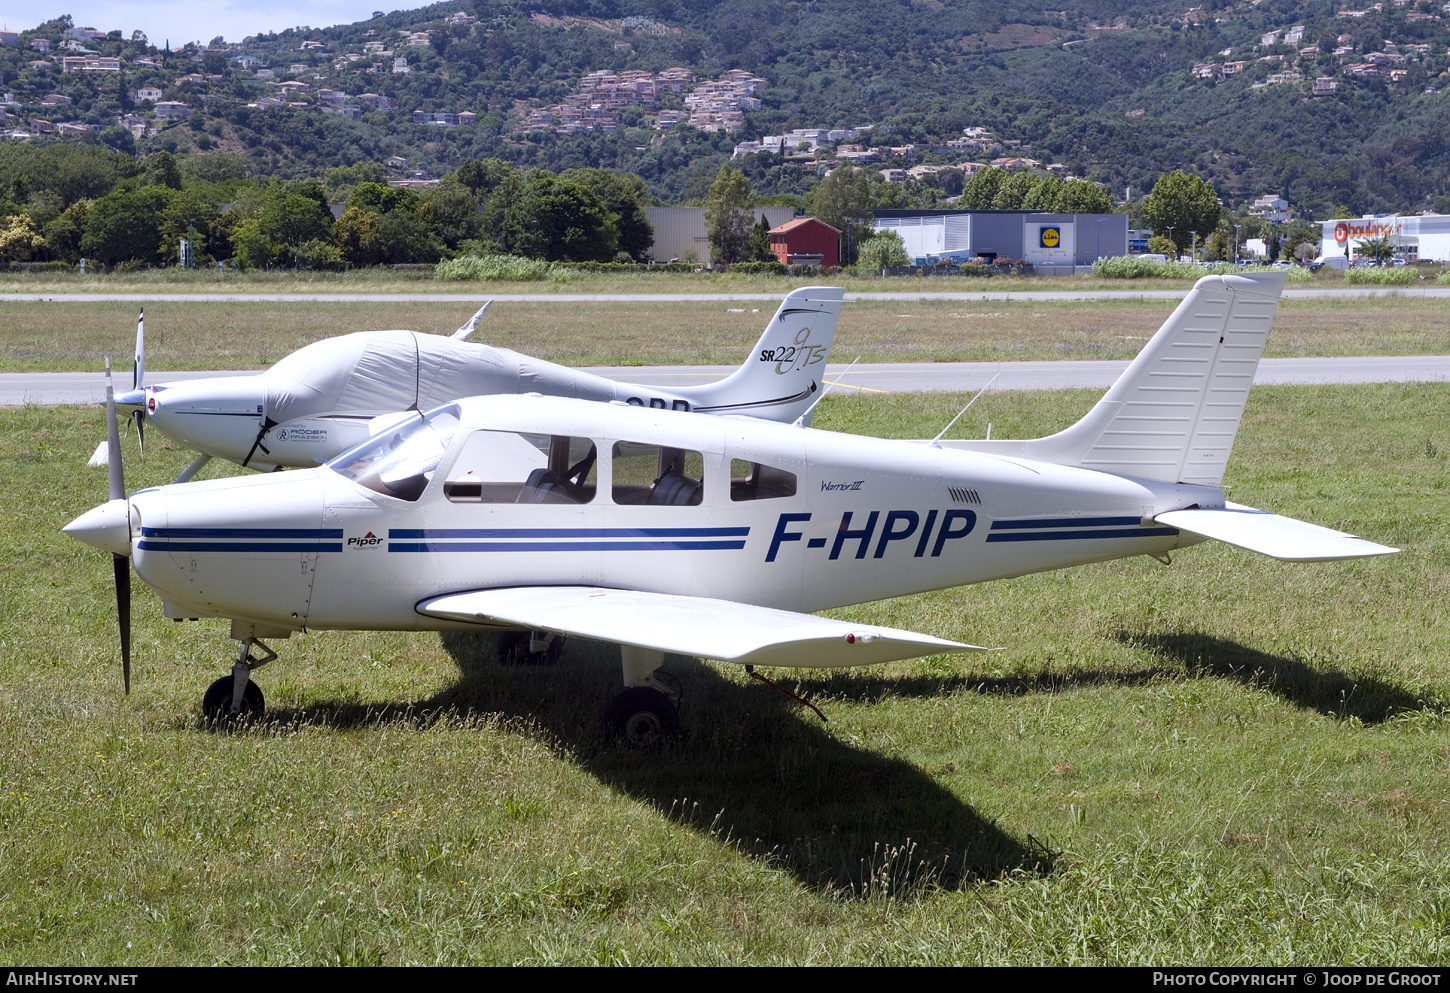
{"x":380,"y":372}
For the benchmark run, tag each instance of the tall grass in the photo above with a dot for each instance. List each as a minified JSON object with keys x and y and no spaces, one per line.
{"x":1381,"y":276}
{"x":494,"y":267}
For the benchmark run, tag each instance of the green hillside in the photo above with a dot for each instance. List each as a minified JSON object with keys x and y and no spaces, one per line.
{"x":1107,"y":90}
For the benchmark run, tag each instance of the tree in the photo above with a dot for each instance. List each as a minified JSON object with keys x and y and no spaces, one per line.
{"x":559,"y":221}
{"x":18,"y":239}
{"x":1380,"y":248}
{"x":1044,"y":194}
{"x":760,"y":242}
{"x":844,"y":200}
{"x":1082,"y":197}
{"x":161,"y":170}
{"x":284,"y":223}
{"x":63,"y":234}
{"x":380,"y":198}
{"x":728,"y":216}
{"x":1014,"y":191}
{"x":1181,"y":206}
{"x":124,"y":226}
{"x":979,"y":191}
{"x":882,"y":250}
{"x":625,"y":196}
{"x":356,"y":232}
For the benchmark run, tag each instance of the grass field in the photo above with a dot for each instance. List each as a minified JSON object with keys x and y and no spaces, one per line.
{"x":45,"y":336}
{"x":1226,"y":760}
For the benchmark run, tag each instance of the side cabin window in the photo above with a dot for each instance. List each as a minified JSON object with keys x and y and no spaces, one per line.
{"x":508,"y":467}
{"x":652,"y":475}
{"x":755,"y":481}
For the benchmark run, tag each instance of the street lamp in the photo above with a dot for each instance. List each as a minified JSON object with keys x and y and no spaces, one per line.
{"x":1099,"y":250}
{"x":1237,"y":228}
{"x":1175,"y":244}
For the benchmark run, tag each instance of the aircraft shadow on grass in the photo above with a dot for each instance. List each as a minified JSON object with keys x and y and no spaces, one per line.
{"x":1333,"y":693}
{"x":752,"y":769}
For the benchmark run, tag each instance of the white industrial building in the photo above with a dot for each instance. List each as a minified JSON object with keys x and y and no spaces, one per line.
{"x":1422,"y":238}
{"x":1041,"y":238}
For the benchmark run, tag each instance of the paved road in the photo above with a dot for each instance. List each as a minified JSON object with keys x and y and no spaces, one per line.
{"x":51,"y":388}
{"x":931,"y":292}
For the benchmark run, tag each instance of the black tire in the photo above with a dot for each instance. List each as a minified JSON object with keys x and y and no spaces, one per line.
{"x":513,"y":649}
{"x":216,"y":702}
{"x":642,"y":717}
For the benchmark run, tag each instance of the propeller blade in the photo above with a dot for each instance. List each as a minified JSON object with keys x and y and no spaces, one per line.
{"x":120,"y":564}
{"x":138,"y":363}
{"x":113,"y":438}
{"x":122,"y":568}
{"x":140,"y":417}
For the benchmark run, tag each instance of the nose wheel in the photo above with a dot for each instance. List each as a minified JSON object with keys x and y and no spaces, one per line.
{"x":236,"y":697}
{"x":216,"y":702}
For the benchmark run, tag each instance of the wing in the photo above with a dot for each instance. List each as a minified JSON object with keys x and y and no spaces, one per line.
{"x":712,"y":629}
{"x":1269,"y":534}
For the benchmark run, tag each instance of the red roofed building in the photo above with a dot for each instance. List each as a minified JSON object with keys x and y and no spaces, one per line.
{"x":806,"y":241}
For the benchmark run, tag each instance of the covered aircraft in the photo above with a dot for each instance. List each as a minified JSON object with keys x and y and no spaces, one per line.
{"x":332,"y":394}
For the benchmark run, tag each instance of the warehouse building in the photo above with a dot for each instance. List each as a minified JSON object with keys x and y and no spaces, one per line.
{"x":1047,"y":240}
{"x":682,"y":229}
{"x":1424,"y":238}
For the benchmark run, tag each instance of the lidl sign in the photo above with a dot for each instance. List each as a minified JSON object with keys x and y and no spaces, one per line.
{"x":1049,"y":237}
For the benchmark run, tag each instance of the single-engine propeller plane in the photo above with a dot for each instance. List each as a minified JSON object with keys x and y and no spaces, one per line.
{"x":667,"y":531}
{"x":330,"y":395}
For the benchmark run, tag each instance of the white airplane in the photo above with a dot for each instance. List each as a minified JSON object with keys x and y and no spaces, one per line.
{"x":667,"y":531}
{"x":330,"y":395}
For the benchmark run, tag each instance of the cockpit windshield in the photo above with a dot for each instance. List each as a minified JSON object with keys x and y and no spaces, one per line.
{"x":400,"y":462}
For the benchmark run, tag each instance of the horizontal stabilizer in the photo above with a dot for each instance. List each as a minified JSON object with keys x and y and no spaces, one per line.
{"x":711,"y":629}
{"x":101,"y":456}
{"x":1272,"y":535}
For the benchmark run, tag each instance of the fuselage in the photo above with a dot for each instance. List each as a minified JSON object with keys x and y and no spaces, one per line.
{"x":498,"y":492}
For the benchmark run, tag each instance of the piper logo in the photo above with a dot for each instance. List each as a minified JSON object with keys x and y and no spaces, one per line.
{"x":366,"y":541}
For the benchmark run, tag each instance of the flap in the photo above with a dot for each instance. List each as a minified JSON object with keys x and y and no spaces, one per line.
{"x":712,"y":629}
{"x":1272,"y":535}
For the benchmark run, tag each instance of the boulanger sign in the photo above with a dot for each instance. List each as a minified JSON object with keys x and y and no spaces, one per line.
{"x":1363,"y":230}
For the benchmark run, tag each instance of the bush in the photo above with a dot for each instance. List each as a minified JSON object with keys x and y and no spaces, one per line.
{"x":1398,"y":276}
{"x":976,"y":269}
{"x":320,"y":255}
{"x":1130,"y":267}
{"x":759,"y":268}
{"x":883,"y":250}
{"x":488,"y":267}
{"x":1443,"y":279}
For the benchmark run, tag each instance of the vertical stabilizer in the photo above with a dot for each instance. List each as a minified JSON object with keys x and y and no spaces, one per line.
{"x":1173,"y":414}
{"x":781,"y":376}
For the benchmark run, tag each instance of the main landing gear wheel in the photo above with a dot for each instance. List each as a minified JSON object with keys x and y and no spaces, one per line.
{"x":516,"y":648}
{"x":216,"y":703}
{"x":642,"y":717}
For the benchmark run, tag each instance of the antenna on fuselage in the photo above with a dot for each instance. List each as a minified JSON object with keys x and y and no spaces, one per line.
{"x":963,"y":411}
{"x":470,"y":325}
{"x":801,"y":420}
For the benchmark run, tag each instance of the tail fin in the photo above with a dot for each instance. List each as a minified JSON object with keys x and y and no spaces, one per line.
{"x":1173,"y":415}
{"x":782,"y":375}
